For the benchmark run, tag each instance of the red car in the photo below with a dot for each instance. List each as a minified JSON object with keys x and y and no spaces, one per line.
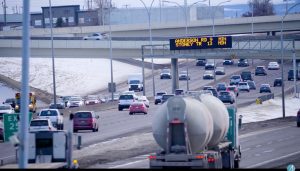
{"x":234,"y":89}
{"x":138,"y":107}
{"x":85,"y":120}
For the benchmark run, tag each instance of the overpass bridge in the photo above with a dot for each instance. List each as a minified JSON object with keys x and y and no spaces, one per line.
{"x":251,"y":47}
{"x":262,"y":24}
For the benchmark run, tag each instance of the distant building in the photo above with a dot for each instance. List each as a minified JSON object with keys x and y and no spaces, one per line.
{"x":88,"y":18}
{"x":12,"y":21}
{"x":36,"y":20}
{"x":68,"y":13}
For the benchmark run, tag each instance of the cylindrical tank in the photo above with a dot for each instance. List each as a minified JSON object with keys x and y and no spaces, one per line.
{"x":198,"y":118}
{"x":219,"y":115}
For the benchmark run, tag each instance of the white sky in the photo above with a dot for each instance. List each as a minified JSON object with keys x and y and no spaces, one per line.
{"x":35,"y":5}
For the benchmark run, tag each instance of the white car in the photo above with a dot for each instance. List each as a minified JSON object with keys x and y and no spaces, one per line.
{"x":76,"y":101}
{"x":55,"y":116}
{"x":273,"y":65}
{"x":96,"y":36}
{"x":144,"y":100}
{"x":6,"y":108}
{"x":208,"y":75}
{"x":41,"y":125}
{"x":158,"y":96}
{"x":243,"y":86}
{"x":91,"y":99}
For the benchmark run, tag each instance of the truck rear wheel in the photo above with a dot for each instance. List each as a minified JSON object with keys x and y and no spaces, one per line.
{"x":236,"y":164}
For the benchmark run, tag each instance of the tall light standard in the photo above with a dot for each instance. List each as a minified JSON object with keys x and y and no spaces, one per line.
{"x":150,"y":37}
{"x":252,"y":17}
{"x":52,"y":53}
{"x":110,"y":55}
{"x":186,"y":30}
{"x":213,"y":19}
{"x":281,"y":40}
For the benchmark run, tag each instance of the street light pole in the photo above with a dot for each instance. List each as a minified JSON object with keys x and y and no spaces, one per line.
{"x":252,"y":17}
{"x":215,"y":79}
{"x":110,"y":56}
{"x":282,"y":65}
{"x":150,"y":35}
{"x":24,"y":124}
{"x":52,"y":53}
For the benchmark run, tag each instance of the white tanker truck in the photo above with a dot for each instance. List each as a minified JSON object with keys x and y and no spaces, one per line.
{"x":196,"y":133}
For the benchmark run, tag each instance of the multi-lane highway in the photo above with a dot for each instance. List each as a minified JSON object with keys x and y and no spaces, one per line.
{"x":114,"y":123}
{"x":261,"y":149}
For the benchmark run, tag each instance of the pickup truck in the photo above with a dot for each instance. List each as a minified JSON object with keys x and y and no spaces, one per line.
{"x":55,"y":116}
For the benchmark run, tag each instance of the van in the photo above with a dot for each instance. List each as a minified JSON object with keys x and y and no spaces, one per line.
{"x":85,"y":120}
{"x":246,"y":75}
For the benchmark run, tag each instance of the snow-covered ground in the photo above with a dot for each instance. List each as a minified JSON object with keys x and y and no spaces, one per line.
{"x":73,"y":76}
{"x":269,"y":109}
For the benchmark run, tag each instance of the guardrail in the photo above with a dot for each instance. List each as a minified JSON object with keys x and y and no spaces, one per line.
{"x":265,"y":97}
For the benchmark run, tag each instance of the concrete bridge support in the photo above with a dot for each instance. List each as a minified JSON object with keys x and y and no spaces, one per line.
{"x":174,"y":67}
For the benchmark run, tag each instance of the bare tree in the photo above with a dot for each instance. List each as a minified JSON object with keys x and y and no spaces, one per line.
{"x":102,"y":6}
{"x":260,"y":8}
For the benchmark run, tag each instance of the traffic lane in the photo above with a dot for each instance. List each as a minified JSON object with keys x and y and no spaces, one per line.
{"x":275,"y":145}
{"x":195,"y":72}
{"x":7,"y":152}
{"x":114,"y":123}
{"x":258,"y":149}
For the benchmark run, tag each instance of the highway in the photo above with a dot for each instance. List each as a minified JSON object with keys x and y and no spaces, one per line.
{"x":259,"y":149}
{"x":114,"y":123}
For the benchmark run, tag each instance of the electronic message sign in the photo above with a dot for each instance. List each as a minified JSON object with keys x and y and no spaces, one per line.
{"x":190,"y":43}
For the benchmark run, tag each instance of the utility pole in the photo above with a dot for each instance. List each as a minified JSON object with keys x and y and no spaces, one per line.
{"x":4,"y":10}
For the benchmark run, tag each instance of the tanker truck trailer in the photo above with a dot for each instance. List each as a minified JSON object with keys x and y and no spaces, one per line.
{"x":196,"y":133}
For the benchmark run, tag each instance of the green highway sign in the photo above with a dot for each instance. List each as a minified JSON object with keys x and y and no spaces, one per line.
{"x":11,"y":124}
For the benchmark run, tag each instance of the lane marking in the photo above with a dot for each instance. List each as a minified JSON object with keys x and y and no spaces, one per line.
{"x":263,"y":131}
{"x":257,"y":146}
{"x":269,"y":143}
{"x":272,"y":160}
{"x":126,"y":164}
{"x":7,"y":157}
{"x":246,"y":149}
{"x":257,"y":155}
{"x":268,"y":151}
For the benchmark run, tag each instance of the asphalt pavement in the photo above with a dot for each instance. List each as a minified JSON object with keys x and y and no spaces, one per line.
{"x":260,"y":149}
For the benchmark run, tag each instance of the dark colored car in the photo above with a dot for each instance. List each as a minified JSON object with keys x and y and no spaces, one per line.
{"x":214,"y":91}
{"x":165,"y":97}
{"x":228,"y":62}
{"x":221,"y":87}
{"x":265,"y":88}
{"x":251,"y":85}
{"x":243,"y":63}
{"x":179,"y":92}
{"x":201,"y":62}
{"x":246,"y":75}
{"x":260,"y":70}
{"x":291,"y":75}
{"x":85,"y":120}
{"x":11,"y":102}
{"x":298,"y":118}
{"x":277,"y":82}
{"x":226,"y":97}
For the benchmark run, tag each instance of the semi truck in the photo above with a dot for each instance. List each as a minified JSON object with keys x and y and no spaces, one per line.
{"x":196,"y":132}
{"x":135,"y":82}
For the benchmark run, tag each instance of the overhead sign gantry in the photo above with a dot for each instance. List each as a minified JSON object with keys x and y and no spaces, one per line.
{"x":189,"y":43}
